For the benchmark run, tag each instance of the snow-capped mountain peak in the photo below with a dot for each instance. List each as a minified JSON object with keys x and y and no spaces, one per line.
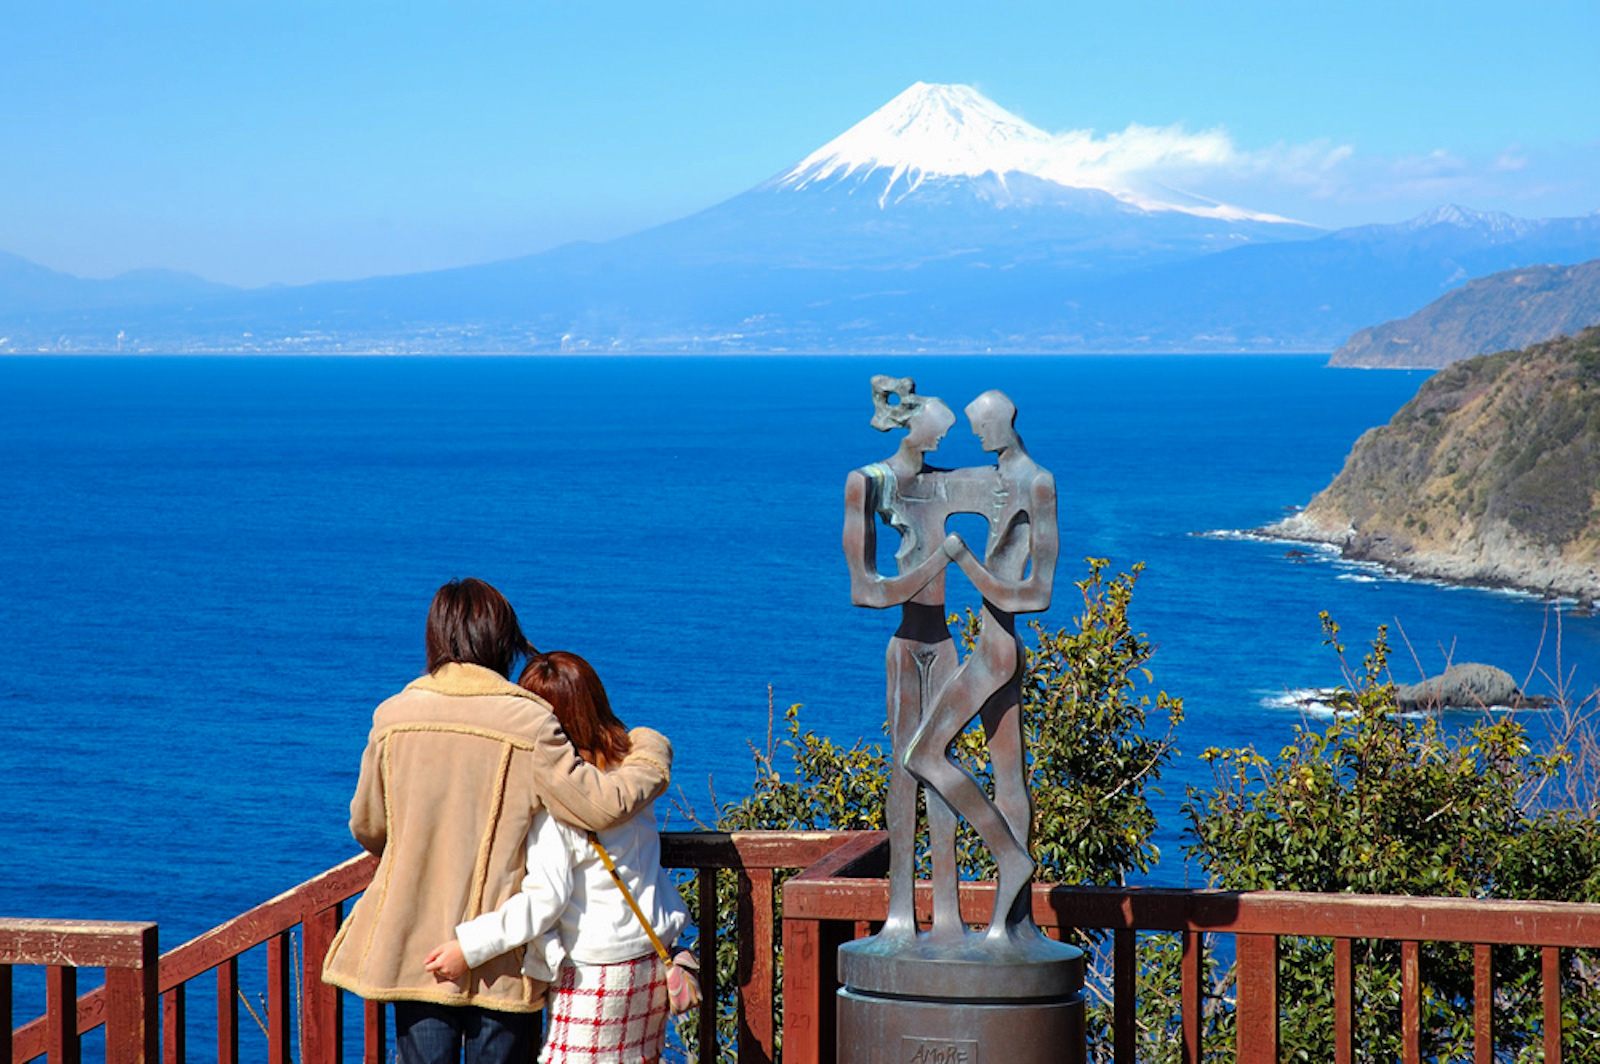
{"x":933,"y":131}
{"x":928,"y":130}
{"x":1466,"y":218}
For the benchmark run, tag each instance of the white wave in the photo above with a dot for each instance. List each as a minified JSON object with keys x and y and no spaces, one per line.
{"x":1256,"y":535}
{"x":1310,"y":701}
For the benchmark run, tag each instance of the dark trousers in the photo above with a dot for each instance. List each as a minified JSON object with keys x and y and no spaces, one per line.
{"x":436,"y":1034}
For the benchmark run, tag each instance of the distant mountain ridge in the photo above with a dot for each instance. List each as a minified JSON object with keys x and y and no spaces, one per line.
{"x":941,"y":222}
{"x":28,"y":287}
{"x":1490,"y":475}
{"x":1513,"y":308}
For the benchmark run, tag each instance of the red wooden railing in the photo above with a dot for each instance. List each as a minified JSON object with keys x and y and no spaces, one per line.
{"x":821,"y":910}
{"x":126,"y":1005}
{"x":315,"y":907}
{"x":837,"y":896}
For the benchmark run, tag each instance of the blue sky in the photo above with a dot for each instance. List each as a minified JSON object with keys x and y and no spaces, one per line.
{"x":286,"y":142}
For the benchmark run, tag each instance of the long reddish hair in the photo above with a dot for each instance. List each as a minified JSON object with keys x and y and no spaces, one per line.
{"x":575,"y":692}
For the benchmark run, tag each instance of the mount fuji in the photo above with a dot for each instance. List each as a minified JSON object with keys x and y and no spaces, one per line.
{"x":940,"y":222}
{"x":947,"y":132}
{"x":942,"y":174}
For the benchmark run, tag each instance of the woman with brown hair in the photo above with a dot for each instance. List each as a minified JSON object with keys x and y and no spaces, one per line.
{"x":608,"y":994}
{"x":456,"y":767}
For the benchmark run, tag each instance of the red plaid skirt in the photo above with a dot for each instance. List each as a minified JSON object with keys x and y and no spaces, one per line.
{"x":606,"y":1013}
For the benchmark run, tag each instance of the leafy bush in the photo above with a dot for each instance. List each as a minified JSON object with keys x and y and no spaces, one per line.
{"x":1380,"y":803}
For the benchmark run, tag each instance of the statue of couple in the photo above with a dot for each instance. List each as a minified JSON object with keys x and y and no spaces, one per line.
{"x":932,"y":694}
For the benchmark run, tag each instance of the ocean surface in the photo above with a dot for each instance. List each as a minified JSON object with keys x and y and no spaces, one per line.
{"x":213,"y":569}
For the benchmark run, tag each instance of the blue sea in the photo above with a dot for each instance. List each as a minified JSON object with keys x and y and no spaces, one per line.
{"x":213,"y":569}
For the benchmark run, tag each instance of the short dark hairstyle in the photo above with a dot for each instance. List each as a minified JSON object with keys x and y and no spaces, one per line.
{"x":575,"y":692}
{"x":471,"y":622}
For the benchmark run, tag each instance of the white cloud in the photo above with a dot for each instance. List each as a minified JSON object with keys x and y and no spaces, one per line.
{"x":1510,"y":161}
{"x":1148,"y":163}
{"x":1325,"y":181}
{"x":1166,"y":152}
{"x":1434,"y":165}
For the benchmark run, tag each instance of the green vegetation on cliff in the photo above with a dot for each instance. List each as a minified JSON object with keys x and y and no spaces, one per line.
{"x":1489,"y":475}
{"x":1514,"y":308}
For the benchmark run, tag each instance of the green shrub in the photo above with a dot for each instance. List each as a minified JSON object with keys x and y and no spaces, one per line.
{"x":1377,"y":802}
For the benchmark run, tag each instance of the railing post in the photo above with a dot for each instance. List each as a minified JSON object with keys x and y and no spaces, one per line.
{"x":280,"y":1022}
{"x":228,"y":1011}
{"x":1125,"y":995}
{"x":1193,"y":996}
{"x":61,"y":1024}
{"x":1257,"y":1008}
{"x":811,"y":988}
{"x":374,"y":1037}
{"x":755,"y":965}
{"x":1411,"y":1002}
{"x":133,"y":1006}
{"x":6,"y":1019}
{"x":174,"y":1026}
{"x":1344,"y":992}
{"x":1483,"y":1004}
{"x":1550,"y":965}
{"x":706,"y":882}
{"x":321,"y":1007}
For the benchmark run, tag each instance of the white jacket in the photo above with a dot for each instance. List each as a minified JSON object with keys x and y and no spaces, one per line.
{"x":569,"y":907}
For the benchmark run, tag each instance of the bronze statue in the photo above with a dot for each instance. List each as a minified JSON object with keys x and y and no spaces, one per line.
{"x":931,"y":697}
{"x":1010,"y":993}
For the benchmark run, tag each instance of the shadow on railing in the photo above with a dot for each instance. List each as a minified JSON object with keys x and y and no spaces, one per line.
{"x":837,"y":897}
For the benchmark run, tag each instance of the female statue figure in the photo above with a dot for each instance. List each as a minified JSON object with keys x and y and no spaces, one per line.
{"x":911,"y":497}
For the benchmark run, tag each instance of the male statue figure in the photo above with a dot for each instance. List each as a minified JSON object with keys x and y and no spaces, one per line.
{"x":1016,"y":576}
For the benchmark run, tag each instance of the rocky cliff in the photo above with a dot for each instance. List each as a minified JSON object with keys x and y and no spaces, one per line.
{"x":1514,"y":308}
{"x":1490,"y":475}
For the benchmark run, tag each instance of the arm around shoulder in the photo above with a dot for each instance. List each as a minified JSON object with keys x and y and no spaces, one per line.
{"x":579,"y":794}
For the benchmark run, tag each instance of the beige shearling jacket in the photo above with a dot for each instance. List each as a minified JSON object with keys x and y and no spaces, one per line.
{"x":455,"y":768}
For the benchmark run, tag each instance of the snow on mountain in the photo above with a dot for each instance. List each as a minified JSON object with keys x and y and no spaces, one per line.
{"x":928,"y":130}
{"x":953,"y":131}
{"x":1466,"y":218}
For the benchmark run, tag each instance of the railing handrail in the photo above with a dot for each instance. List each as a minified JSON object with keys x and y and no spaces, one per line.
{"x":837,"y":894}
{"x":759,"y":851}
{"x":1399,"y":917}
{"x":205,"y":951}
{"x":74,"y":943}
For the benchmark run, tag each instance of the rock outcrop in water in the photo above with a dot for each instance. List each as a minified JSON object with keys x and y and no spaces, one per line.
{"x":1465,"y":686}
{"x":1490,"y":476}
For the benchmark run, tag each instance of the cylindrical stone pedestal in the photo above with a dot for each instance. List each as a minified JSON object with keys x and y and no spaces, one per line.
{"x":1016,"y":1000}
